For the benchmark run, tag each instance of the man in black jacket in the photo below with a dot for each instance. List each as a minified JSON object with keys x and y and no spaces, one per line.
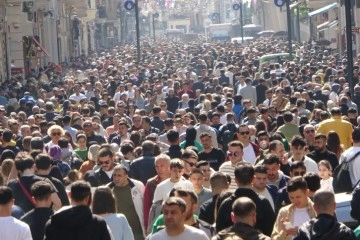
{"x":265,"y":216}
{"x":325,"y":225}
{"x":174,"y":141}
{"x":77,"y":222}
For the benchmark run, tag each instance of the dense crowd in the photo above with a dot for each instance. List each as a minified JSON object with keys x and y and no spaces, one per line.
{"x":193,"y":141}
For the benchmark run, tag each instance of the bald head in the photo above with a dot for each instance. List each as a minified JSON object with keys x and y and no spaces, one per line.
{"x":324,"y":202}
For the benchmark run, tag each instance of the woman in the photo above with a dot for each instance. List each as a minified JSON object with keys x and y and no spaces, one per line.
{"x":333,"y":143}
{"x":70,"y":139}
{"x":131,"y":110}
{"x":103,"y":204}
{"x":190,"y":140}
{"x":139,"y":99}
{"x":81,"y":150}
{"x":55,"y":132}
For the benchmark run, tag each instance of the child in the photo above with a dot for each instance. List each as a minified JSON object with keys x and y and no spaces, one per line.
{"x":179,"y":126}
{"x":325,"y":172}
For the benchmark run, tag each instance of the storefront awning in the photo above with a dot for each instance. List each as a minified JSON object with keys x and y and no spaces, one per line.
{"x":323,"y":9}
{"x":327,"y":25}
{"x":40,"y":46}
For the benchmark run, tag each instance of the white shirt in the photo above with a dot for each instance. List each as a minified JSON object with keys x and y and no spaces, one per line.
{"x":227,"y":168}
{"x":266,"y":194}
{"x":163,"y":190}
{"x":301,"y":216}
{"x":13,"y":229}
{"x":188,"y":233}
{"x":354,"y":167}
{"x":327,"y":184}
{"x":249,"y":154}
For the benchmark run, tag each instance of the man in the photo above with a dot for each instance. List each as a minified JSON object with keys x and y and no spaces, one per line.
{"x":77,"y":96}
{"x":43,"y":168}
{"x":66,"y":126}
{"x":289,"y":129}
{"x":190,"y":159}
{"x":244,"y":217}
{"x":164,"y":107}
{"x":214,"y":156}
{"x":146,"y":126}
{"x":298,"y":151}
{"x":204,"y":166}
{"x":197,"y":180}
{"x":162,"y":166}
{"x":343,"y":128}
{"x":91,"y":135}
{"x":321,"y":152}
{"x":122,"y":133}
{"x":218,"y":183}
{"x":77,"y":221}
{"x":38,"y":217}
{"x":143,"y":168}
{"x":249,"y":92}
{"x":279,"y":102}
{"x":226,"y":132}
{"x":174,"y":141}
{"x":265,"y":216}
{"x":176,"y":180}
{"x":235,"y":154}
{"x":309,"y":135}
{"x":261,"y":187}
{"x":103,"y":175}
{"x":325,"y":225}
{"x":156,"y":122}
{"x":21,"y":187}
{"x":291,"y":217}
{"x":174,"y":210}
{"x":275,"y":176}
{"x":129,"y":199}
{"x":203,"y":127}
{"x":251,"y":151}
{"x":11,"y":228}
{"x":354,"y":167}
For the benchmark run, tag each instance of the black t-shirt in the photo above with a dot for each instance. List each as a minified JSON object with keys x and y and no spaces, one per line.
{"x":36,"y":219}
{"x":216,"y":157}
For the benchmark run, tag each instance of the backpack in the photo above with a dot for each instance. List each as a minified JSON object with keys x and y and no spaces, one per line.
{"x":226,"y":135}
{"x":341,"y":176}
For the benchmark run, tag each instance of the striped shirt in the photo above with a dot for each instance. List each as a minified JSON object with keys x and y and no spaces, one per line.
{"x":227,"y":168}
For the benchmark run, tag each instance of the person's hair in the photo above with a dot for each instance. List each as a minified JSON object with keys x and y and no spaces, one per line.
{"x":333,"y":142}
{"x":41,"y":190}
{"x":296,"y":165}
{"x":126,"y":147}
{"x":42,"y":161}
{"x":80,"y":190}
{"x":260,"y":169}
{"x":190,"y":137}
{"x":148,"y":147}
{"x":202,"y":163}
{"x":146,"y":119}
{"x":312,"y":181}
{"x":23,"y":161}
{"x":26,"y":142}
{"x":236,"y":144}
{"x":335,"y":111}
{"x":320,"y":136}
{"x":323,"y":199}
{"x":175,"y":201}
{"x":356,"y":135}
{"x":288,"y":117}
{"x":6,"y":195}
{"x":296,"y":183}
{"x":55,"y":127}
{"x":162,"y":156}
{"x":297,"y":141}
{"x":103,"y":201}
{"x":63,"y":142}
{"x":196,"y":171}
{"x":326,"y":164}
{"x":121,"y":167}
{"x":205,"y":134}
{"x":244,"y":173}
{"x":7,"y":135}
{"x":37,"y":143}
{"x":271,"y":159}
{"x":182,"y":192}
{"x":176,"y":163}
{"x":104,"y":151}
{"x":243,"y":207}
{"x":6,"y":167}
{"x":218,"y":180}
{"x":172,"y":136}
{"x":188,"y":153}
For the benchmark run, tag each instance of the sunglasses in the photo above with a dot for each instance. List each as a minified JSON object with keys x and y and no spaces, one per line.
{"x":87,"y":125}
{"x":104,"y":163}
{"x":56,"y":134}
{"x":310,"y":131}
{"x":299,"y":173}
{"x":190,"y":163}
{"x":235,"y":154}
{"x":244,"y":133}
{"x":162,"y":105}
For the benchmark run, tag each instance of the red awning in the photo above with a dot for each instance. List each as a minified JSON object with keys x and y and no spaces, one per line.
{"x":40,"y":46}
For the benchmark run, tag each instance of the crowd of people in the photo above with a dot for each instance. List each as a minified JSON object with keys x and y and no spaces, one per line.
{"x":193,"y":141}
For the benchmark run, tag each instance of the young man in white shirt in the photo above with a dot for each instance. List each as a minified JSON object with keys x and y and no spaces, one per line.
{"x":11,"y":228}
{"x":174,"y":210}
{"x":176,"y":180}
{"x":204,"y":194}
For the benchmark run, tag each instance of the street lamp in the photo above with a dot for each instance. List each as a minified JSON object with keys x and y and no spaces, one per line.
{"x":154,"y":15}
{"x":239,"y":6}
{"x":288,"y":15}
{"x":349,"y":50}
{"x":129,"y":5}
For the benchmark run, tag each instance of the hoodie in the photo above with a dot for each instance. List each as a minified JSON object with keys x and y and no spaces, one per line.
{"x":76,"y":222}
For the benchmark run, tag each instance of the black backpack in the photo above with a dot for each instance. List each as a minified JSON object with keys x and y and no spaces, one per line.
{"x":341,"y":176}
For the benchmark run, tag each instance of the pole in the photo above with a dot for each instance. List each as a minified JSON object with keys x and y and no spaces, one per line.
{"x":137,"y":30}
{"x":298,"y":23}
{"x":153,"y":21}
{"x":288,"y":15}
{"x":349,"y":50}
{"x":241,"y":22}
